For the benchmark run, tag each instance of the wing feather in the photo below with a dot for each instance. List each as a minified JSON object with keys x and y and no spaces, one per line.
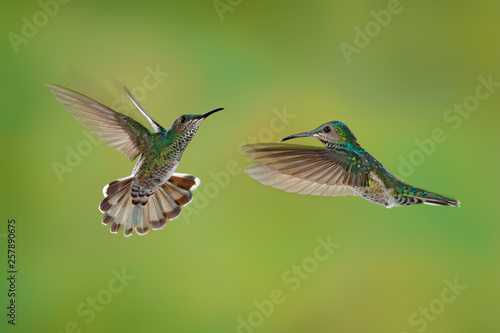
{"x":115,"y":129}
{"x":306,"y":170}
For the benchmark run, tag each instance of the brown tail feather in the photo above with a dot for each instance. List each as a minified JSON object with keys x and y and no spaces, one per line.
{"x":185,"y":181}
{"x":171,"y":209}
{"x":156,"y":217}
{"x":120,"y":210}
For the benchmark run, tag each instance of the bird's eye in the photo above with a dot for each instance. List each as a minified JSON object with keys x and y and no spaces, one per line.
{"x":182,"y":119}
{"x":327,"y":129}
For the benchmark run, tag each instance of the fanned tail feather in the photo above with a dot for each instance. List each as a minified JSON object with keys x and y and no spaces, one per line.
{"x":164,"y":204}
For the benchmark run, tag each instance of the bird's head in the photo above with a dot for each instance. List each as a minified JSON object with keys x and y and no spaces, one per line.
{"x":334,"y":132}
{"x":189,"y":123}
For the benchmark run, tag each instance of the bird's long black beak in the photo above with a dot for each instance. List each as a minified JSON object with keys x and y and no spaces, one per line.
{"x":206,"y":114}
{"x":298,"y":135}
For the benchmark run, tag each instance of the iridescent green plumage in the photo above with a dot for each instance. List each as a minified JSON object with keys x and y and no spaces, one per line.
{"x":154,"y":192}
{"x":343,"y":168}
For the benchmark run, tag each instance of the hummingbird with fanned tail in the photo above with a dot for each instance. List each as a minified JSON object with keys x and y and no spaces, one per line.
{"x":154,"y":192}
{"x":342,"y":168}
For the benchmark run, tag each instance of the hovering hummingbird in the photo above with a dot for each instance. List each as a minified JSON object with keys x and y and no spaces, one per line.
{"x":153,"y":193}
{"x":343,"y":168}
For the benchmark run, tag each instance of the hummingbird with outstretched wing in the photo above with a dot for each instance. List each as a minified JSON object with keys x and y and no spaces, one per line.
{"x":340,"y":168}
{"x":154,"y":192}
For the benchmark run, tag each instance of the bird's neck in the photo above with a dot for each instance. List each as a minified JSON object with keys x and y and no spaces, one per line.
{"x":177,"y":142}
{"x":354,"y":146}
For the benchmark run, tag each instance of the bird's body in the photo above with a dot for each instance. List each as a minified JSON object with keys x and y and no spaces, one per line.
{"x":157,"y":164}
{"x":153,"y":193}
{"x":342,"y":168}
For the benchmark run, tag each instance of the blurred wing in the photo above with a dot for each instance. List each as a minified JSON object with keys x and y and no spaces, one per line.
{"x":307,"y":170}
{"x":115,"y":129}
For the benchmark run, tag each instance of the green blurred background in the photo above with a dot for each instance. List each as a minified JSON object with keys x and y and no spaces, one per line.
{"x":277,"y":68}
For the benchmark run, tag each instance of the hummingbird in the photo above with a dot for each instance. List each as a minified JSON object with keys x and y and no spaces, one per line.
{"x":342,"y":168}
{"x":154,"y":192}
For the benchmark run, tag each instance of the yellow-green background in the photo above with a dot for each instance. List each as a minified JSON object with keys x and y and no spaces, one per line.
{"x":201,"y":274}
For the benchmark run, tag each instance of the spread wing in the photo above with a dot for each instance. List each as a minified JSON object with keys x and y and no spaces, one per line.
{"x":307,"y":170}
{"x":115,"y":129}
